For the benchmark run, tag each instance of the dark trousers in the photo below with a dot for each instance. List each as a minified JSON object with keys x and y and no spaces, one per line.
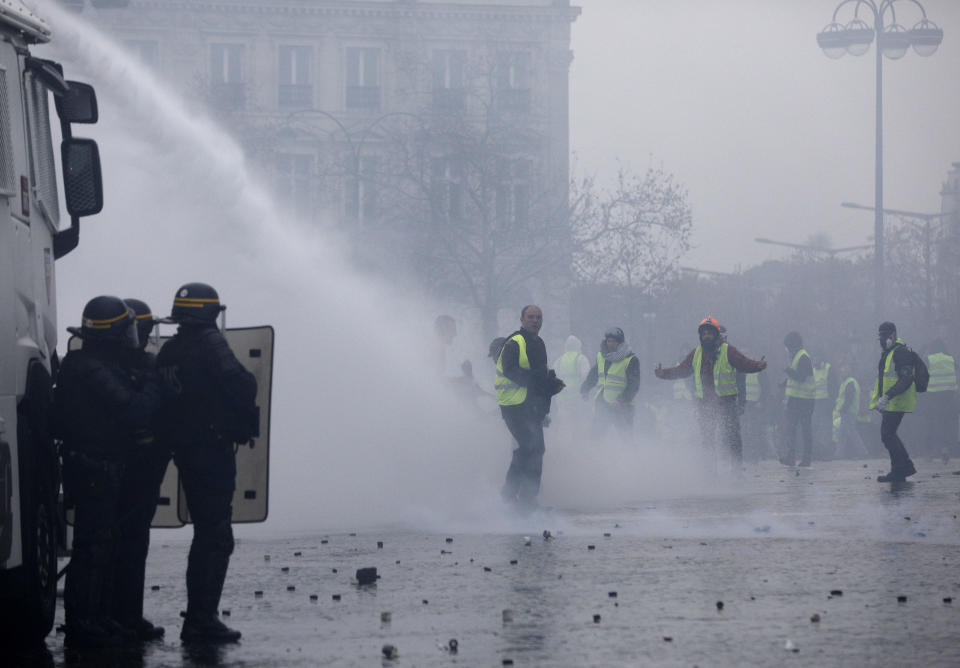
{"x":208,"y":471}
{"x":526,"y":467}
{"x":798,"y":414}
{"x":93,"y":486}
{"x":139,"y":491}
{"x":899,"y":459}
{"x":722,"y":414}
{"x":621,"y":417}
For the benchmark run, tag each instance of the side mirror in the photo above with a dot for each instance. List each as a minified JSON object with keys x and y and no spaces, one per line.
{"x":78,"y":104}
{"x":82,"y":181}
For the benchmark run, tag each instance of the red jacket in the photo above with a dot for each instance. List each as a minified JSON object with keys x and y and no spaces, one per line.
{"x":737,"y":360}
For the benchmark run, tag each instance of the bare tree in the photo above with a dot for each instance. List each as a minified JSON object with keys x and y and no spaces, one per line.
{"x":632,"y":235}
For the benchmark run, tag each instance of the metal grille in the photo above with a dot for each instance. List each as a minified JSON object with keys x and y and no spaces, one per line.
{"x":7,"y":182}
{"x":42,"y":168}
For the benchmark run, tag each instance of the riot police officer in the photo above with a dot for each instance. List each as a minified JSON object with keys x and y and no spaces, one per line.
{"x":99,"y":409}
{"x":212,"y":409}
{"x":145,"y":463}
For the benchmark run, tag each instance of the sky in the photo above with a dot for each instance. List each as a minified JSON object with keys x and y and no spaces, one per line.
{"x":768,"y":134}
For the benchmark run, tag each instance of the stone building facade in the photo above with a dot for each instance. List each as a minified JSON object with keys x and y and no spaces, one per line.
{"x":314,"y":88}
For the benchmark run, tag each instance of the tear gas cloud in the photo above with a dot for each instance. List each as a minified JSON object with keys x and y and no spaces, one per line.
{"x":363,"y":430}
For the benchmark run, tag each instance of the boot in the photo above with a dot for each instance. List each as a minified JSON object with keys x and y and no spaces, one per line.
{"x":145,"y":630}
{"x":899,"y":474}
{"x":88,"y":634}
{"x":207,"y":628}
{"x":124,"y":634}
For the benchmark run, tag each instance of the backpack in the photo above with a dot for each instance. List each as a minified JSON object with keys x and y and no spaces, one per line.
{"x":921,"y":374}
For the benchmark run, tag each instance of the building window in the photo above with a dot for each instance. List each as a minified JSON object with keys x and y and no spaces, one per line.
{"x":295,"y":89}
{"x":363,"y":78}
{"x":361,"y":203}
{"x":449,"y":93}
{"x":226,"y":75}
{"x":447,"y":186}
{"x":513,"y":193}
{"x":512,"y":90}
{"x":144,"y":50}
{"x":294,"y":172}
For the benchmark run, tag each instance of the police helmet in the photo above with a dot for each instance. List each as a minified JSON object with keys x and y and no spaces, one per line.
{"x":109,"y":320}
{"x":145,"y":319}
{"x":196,"y":303}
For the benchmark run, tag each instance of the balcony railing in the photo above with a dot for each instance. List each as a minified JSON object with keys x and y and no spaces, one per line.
{"x":296,"y":96}
{"x":363,"y":97}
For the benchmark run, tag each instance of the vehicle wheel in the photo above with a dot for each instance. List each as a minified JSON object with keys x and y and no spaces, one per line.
{"x":30,"y":590}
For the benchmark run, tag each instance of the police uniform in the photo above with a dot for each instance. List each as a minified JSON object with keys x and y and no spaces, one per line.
{"x":99,"y":409}
{"x":144,"y":465}
{"x":213,"y":408}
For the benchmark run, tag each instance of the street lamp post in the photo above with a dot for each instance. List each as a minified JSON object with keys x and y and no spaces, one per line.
{"x":893,"y":41}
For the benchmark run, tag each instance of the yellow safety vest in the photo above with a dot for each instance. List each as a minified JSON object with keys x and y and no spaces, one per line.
{"x":753,"y":387}
{"x":612,"y":381}
{"x":568,"y":370}
{"x":904,"y":402}
{"x":508,"y":392}
{"x":800,"y":389}
{"x":853,"y":409}
{"x":724,"y":375}
{"x":943,"y":373}
{"x":820,"y":382}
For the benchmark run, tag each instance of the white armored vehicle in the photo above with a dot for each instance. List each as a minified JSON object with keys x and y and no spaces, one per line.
{"x":32,"y":238}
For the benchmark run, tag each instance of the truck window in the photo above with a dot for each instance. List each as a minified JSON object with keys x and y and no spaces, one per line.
{"x":7,"y":182}
{"x":43,"y":173}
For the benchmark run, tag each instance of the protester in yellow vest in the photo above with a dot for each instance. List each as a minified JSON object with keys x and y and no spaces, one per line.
{"x":714,"y":367}
{"x":616,"y":377}
{"x":894,"y":395}
{"x":939,"y":406}
{"x":846,"y":411}
{"x":800,"y":390}
{"x":524,"y":387}
{"x":572,"y":368}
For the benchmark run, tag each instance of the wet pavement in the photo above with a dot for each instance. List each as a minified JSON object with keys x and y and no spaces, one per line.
{"x":818,"y":566}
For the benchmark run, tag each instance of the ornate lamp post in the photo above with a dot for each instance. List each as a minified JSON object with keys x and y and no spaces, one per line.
{"x":893,"y":41}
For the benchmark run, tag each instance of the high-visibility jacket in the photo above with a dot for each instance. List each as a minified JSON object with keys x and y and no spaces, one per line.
{"x":820,"y":381}
{"x":904,"y":402}
{"x":724,"y":375}
{"x":943,"y":373}
{"x":680,"y":390}
{"x":854,"y":408}
{"x":612,"y":379}
{"x":508,"y":392}
{"x":753,"y":387}
{"x":568,"y":370}
{"x":804,"y":389}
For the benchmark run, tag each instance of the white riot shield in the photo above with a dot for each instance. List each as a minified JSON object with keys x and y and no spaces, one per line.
{"x":253,"y":346}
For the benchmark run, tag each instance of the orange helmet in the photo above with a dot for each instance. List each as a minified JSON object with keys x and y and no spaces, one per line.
{"x":709,"y":321}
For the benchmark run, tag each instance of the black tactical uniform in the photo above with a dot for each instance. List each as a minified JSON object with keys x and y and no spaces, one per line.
{"x":99,"y":408}
{"x":144,"y":465}
{"x":213,"y":408}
